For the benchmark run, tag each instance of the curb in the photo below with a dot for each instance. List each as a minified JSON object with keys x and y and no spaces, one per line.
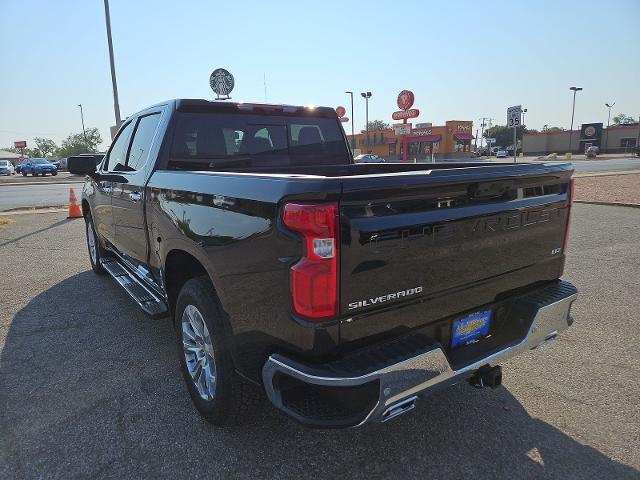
{"x":34,"y":210}
{"x":606,"y":174}
{"x":609,"y":204}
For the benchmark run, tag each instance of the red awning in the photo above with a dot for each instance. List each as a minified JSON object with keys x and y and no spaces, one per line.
{"x":463,"y":136}
{"x":424,"y":138}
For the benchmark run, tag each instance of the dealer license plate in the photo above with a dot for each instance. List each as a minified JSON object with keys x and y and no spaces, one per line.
{"x":470,"y":328}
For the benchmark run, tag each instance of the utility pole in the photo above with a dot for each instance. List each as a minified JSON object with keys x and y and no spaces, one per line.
{"x":116,"y":104}
{"x":367,"y":96}
{"x":486,"y":122}
{"x":608,"y":121}
{"x":353,"y":135}
{"x":84,"y":132}
{"x":573,"y":111}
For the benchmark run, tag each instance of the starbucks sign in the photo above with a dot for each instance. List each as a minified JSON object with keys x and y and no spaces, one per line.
{"x":222,"y":83}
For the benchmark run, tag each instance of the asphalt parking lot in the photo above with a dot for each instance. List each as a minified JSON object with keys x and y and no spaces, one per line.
{"x":90,"y":387}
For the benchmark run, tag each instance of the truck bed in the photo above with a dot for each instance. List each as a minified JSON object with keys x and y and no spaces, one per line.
{"x":464,"y":234}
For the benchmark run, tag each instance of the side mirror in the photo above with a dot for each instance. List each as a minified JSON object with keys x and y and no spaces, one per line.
{"x":81,"y":165}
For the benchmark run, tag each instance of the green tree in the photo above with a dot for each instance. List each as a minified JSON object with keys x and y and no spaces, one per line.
{"x":504,"y":134}
{"x":547,"y":129}
{"x":377,"y":125}
{"x":623,"y":119}
{"x":75,"y":143}
{"x":46,"y":147}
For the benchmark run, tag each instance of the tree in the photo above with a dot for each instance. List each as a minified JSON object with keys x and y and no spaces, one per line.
{"x":45,"y":146}
{"x":377,"y":125}
{"x":504,"y":134}
{"x":75,"y":143}
{"x":547,"y":129}
{"x":623,"y":119}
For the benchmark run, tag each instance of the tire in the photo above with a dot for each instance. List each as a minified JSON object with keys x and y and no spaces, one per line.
{"x":53,"y":174}
{"x":98,"y":252}
{"x":24,"y":174}
{"x":230,"y":400}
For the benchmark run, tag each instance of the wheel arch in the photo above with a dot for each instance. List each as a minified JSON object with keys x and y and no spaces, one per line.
{"x":181,"y":266}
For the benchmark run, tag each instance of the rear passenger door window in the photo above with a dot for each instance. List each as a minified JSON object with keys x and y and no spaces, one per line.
{"x":142,"y":140}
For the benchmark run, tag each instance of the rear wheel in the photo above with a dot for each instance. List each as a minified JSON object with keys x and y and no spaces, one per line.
{"x":96,"y":251}
{"x":221,"y":396}
{"x":24,"y":174}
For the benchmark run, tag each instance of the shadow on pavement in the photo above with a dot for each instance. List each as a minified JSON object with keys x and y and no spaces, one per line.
{"x":36,"y":232}
{"x":90,"y":387}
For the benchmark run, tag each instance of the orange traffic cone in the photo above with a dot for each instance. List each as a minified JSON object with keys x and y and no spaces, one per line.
{"x":74,"y":208}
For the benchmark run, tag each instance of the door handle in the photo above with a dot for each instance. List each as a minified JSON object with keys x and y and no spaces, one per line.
{"x":135,"y":196}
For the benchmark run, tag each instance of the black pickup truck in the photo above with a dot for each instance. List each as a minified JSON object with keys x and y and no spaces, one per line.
{"x":343,"y":291}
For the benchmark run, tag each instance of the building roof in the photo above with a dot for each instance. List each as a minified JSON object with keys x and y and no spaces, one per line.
{"x":4,"y":155}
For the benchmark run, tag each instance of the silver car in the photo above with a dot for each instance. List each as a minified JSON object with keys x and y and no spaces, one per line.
{"x":7,"y":168}
{"x":368,"y":158}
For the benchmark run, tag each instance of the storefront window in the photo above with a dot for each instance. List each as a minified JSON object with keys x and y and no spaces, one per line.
{"x":463,"y":145}
{"x":392,"y":149}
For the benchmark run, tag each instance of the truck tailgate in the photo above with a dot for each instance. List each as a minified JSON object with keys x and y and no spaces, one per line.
{"x":423,"y":236}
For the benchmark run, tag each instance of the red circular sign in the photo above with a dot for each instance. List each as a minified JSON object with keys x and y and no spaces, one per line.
{"x":405,"y":99}
{"x":340,"y":111}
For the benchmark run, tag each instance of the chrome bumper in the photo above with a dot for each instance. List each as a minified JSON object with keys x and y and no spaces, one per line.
{"x":402,"y":382}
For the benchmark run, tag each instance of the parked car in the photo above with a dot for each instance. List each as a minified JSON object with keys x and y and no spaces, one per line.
{"x":343,"y":292}
{"x":55,"y":163}
{"x":369,"y":158}
{"x":37,"y":166}
{"x":501,"y":154}
{"x":7,"y":168}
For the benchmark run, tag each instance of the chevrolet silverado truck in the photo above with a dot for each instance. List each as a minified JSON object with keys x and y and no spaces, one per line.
{"x":342,"y":291}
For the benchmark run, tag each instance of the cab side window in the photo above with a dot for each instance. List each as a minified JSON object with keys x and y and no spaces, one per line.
{"x":116,"y":161}
{"x":141,"y":143}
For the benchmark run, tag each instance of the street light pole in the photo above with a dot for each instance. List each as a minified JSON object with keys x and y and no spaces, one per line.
{"x":84,"y":132}
{"x":367,"y":96}
{"x":573,"y":111}
{"x":116,"y":104}
{"x":353,"y":135}
{"x":608,"y":121}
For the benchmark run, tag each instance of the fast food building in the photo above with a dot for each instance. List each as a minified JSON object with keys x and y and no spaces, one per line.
{"x":451,"y":140}
{"x":615,"y":139}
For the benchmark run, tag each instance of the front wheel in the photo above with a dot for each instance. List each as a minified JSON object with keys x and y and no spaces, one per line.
{"x":24,"y":174}
{"x":204,"y":347}
{"x":93,"y":244}
{"x":54,"y":174}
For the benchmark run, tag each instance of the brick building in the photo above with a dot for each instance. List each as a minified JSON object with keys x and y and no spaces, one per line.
{"x":451,"y":140}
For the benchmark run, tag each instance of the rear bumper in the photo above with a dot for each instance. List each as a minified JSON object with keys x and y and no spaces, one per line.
{"x":364,"y":389}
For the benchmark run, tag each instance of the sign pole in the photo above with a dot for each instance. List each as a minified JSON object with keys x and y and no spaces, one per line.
{"x":515,"y":145}
{"x":405,"y":101}
{"x":405,"y":144}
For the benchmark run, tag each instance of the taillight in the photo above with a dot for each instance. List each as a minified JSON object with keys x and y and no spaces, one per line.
{"x":565,"y":243}
{"x":314,"y":279}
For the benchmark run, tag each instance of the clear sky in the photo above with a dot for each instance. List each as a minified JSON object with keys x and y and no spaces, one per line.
{"x":462,"y":59}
